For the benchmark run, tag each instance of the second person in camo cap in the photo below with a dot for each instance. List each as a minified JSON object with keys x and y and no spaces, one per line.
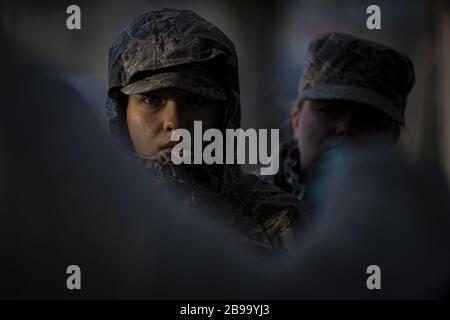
{"x":350,"y":88}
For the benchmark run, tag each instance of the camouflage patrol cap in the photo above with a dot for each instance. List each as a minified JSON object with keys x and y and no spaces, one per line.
{"x":340,"y":66}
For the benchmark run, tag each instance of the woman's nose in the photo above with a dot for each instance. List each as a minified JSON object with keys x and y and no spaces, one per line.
{"x":171,"y":115}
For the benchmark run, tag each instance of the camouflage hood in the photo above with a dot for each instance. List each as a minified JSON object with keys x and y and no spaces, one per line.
{"x":166,"y":40}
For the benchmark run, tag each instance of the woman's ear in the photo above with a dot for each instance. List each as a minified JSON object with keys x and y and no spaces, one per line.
{"x":295,"y":117}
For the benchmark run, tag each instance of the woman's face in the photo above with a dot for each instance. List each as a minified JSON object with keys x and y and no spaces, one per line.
{"x":153,"y":116}
{"x":316,"y":123}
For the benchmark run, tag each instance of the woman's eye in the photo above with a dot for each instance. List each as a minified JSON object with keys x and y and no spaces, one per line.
{"x":153,"y":100}
{"x":196,"y":100}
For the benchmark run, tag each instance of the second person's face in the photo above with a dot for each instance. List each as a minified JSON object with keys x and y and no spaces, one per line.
{"x":316,"y":123}
{"x":153,"y":116}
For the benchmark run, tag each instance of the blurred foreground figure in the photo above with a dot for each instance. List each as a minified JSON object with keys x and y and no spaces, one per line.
{"x":68,"y":197}
{"x":397,"y":217}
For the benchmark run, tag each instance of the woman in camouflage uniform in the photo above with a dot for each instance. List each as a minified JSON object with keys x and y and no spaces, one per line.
{"x":168,"y":68}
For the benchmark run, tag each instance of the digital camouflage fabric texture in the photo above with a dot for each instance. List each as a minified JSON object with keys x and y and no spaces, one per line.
{"x":178,"y":48}
{"x":341,"y":66}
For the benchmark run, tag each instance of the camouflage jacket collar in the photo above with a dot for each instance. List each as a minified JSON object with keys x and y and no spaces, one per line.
{"x":197,"y":177}
{"x":290,"y":159}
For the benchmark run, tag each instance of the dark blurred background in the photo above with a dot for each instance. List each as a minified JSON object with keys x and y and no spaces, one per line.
{"x":271,"y":39}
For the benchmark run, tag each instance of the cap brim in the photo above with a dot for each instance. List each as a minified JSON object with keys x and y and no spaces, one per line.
{"x":187,"y":80}
{"x":355,"y":94}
